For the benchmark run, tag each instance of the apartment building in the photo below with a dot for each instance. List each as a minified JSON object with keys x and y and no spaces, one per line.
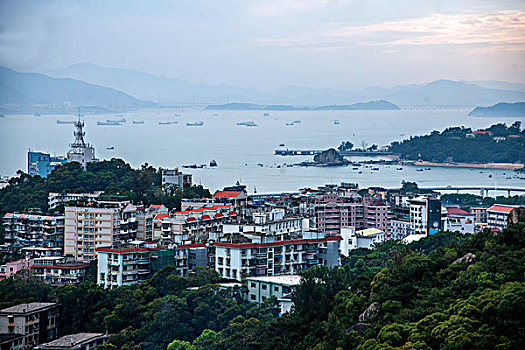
{"x":355,"y":239}
{"x":425,"y":215}
{"x":33,"y":230}
{"x":273,"y":222}
{"x":90,"y":227}
{"x":277,"y":257}
{"x":58,"y":271}
{"x":36,"y":322}
{"x":458,"y":220}
{"x":175,"y":177}
{"x":122,"y":266}
{"x":55,"y":199}
{"x":480,"y":214}
{"x":399,"y":228}
{"x":376,"y":214}
{"x":331,"y":213}
{"x":145,"y":218}
{"x":262,"y":288}
{"x":13,"y":267}
{"x":497,"y":216}
{"x":192,"y":225}
{"x":190,"y":256}
{"x":77,"y":341}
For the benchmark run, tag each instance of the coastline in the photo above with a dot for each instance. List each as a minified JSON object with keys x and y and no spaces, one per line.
{"x":505,"y":166}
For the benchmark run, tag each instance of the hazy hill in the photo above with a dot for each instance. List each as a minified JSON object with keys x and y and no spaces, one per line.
{"x":151,"y":87}
{"x":28,"y":89}
{"x":372,"y":105}
{"x":500,"y":110}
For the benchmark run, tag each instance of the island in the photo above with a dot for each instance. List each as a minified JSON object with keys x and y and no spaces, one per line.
{"x":361,"y":106}
{"x":327,"y":158}
{"x":499,"y":146}
{"x":502,"y":109}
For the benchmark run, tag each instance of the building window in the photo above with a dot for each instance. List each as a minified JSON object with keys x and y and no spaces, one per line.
{"x":275,"y":289}
{"x":252,"y":297}
{"x":264,"y":286}
{"x":252,"y":285}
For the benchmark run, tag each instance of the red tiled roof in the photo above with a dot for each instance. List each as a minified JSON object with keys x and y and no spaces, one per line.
{"x":160,"y":216}
{"x":278,"y":243}
{"x":195,"y":245}
{"x":219,"y":215}
{"x":501,"y":208}
{"x":122,"y":250}
{"x":232,"y":213}
{"x":457,"y":211}
{"x":227,"y":194}
{"x":378,"y":203}
{"x":514,"y":136}
{"x":482,"y":132}
{"x":205,"y":217}
{"x":155,"y":206}
{"x":191,"y":219}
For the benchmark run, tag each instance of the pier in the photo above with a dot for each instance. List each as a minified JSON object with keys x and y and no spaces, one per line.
{"x":313,"y":152}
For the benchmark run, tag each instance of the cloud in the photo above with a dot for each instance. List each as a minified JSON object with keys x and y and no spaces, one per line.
{"x":503,"y":29}
{"x":285,"y":7}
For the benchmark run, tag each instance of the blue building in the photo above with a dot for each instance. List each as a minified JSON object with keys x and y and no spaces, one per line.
{"x":42,"y":164}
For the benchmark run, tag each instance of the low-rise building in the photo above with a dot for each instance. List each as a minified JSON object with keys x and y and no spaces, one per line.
{"x":11,"y":341}
{"x":36,"y":322}
{"x":42,"y":164}
{"x":352,"y":239}
{"x":458,"y":220}
{"x":55,"y":199}
{"x":58,"y":271}
{"x":497,"y":216}
{"x":77,"y":341}
{"x":175,"y":177}
{"x":262,"y":288}
{"x":122,"y":266}
{"x":14,"y":267}
{"x":480,"y":214}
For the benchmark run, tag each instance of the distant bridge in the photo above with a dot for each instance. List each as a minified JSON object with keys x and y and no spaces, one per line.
{"x":483,"y":190}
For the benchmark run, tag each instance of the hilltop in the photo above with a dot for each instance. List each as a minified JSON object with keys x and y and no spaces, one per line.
{"x":500,"y":110}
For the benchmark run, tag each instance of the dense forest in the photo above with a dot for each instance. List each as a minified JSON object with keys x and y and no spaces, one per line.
{"x":446,"y":291}
{"x":115,"y":177}
{"x":453,"y":145}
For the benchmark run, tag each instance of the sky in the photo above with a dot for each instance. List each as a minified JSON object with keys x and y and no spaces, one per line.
{"x":274,"y":43}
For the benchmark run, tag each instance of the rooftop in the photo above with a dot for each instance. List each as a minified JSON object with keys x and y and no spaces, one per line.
{"x":457,"y":211}
{"x":502,"y":208}
{"x":289,"y":280}
{"x":227,"y":194}
{"x":27,"y":308}
{"x":71,"y":340}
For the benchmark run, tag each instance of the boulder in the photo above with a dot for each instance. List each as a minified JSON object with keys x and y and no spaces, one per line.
{"x":329,"y":156}
{"x":369,"y":312}
{"x":468,"y":258}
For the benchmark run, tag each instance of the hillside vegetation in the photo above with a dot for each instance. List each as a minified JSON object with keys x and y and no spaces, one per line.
{"x":418,"y":296}
{"x":453,"y":145}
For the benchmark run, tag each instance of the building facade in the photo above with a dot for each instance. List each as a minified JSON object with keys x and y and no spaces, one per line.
{"x":425,"y":215}
{"x":42,"y":164}
{"x":28,"y":230}
{"x":122,"y":266}
{"x":36,"y":322}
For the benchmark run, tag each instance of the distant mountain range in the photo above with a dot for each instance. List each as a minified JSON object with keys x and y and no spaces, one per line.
{"x":500,"y":110}
{"x":372,"y":105}
{"x":33,"y":89}
{"x":174,"y":91}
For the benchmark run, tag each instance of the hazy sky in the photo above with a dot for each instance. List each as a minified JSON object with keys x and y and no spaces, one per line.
{"x":269,"y":44}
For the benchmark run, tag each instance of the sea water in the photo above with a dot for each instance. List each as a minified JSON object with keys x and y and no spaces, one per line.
{"x":246,"y":154}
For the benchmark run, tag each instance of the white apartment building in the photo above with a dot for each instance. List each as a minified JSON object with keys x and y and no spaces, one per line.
{"x":399,"y":228}
{"x":175,"y":177}
{"x":29,"y":230}
{"x":352,"y":239}
{"x":55,"y":199}
{"x":458,"y":220}
{"x":497,"y":216}
{"x":277,"y":257}
{"x":122,"y":266}
{"x":262,"y":288}
{"x":273,"y":222}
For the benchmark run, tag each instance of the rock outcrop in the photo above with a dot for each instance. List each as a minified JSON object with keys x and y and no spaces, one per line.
{"x":369,"y":312}
{"x":468,"y":258}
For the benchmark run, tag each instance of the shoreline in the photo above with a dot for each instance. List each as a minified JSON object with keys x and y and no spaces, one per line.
{"x":504,"y":166}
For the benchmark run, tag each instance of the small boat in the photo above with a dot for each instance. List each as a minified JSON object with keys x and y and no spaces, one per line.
{"x":177,"y":114}
{"x":360,"y":172}
{"x":296,"y":122}
{"x":138,"y":122}
{"x":248,"y":123}
{"x":110,"y":148}
{"x":376,"y":169}
{"x":355,"y":168}
{"x":419,"y":169}
{"x":290,"y":124}
{"x":213,"y":163}
{"x":428,"y":168}
{"x":399,"y":169}
{"x":337,"y":122}
{"x":113,"y":123}
{"x":201,"y":123}
{"x":215,"y":115}
{"x":490,"y":175}
{"x":121,"y":120}
{"x":168,"y":123}
{"x":266,"y":114}
{"x":281,"y":145}
{"x":66,"y":122}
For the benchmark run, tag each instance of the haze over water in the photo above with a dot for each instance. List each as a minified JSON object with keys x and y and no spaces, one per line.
{"x":238,"y":150}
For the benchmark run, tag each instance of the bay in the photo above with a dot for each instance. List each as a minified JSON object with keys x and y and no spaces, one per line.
{"x":239,"y":150}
